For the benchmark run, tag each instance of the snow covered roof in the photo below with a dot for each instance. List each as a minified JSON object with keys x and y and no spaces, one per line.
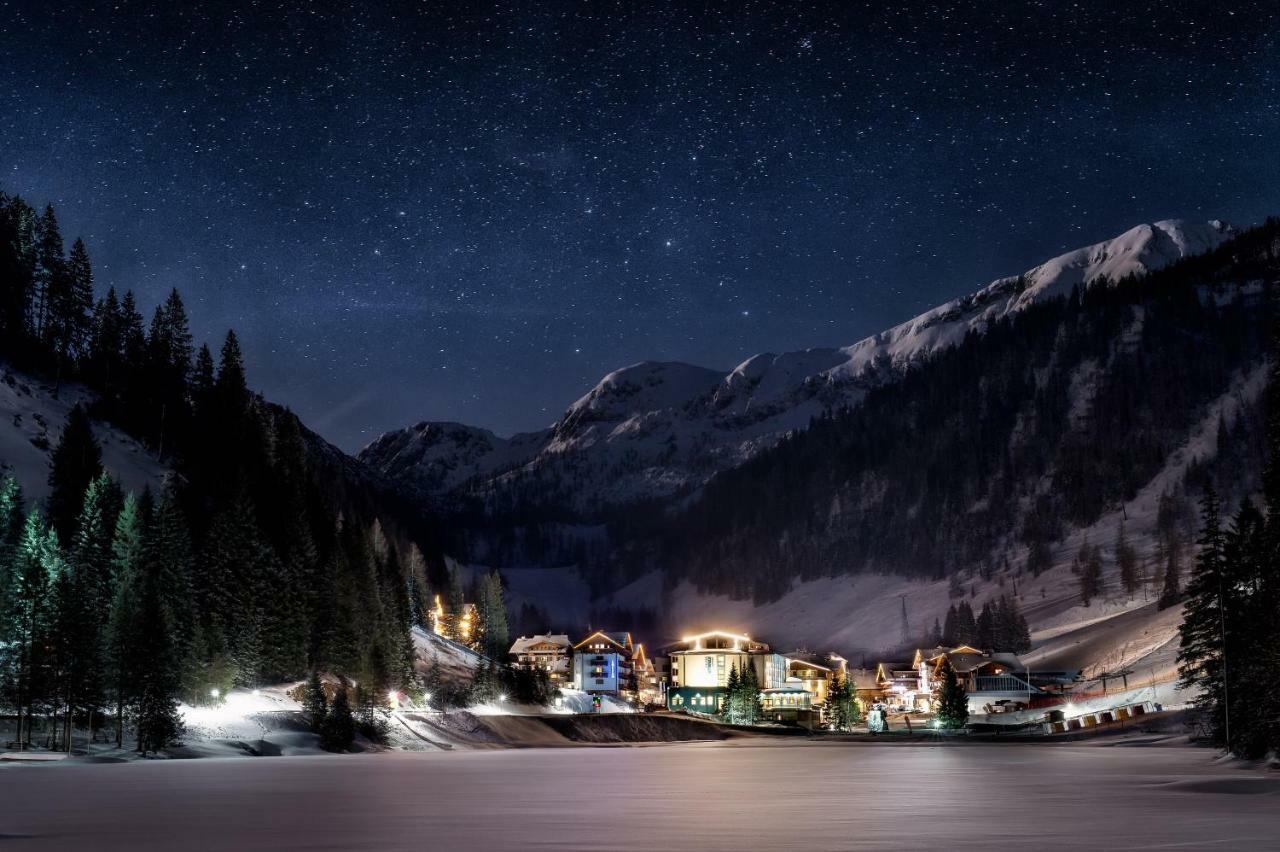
{"x":525,"y":644}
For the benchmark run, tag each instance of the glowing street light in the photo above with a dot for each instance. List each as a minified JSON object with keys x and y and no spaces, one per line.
{"x":215,"y":693}
{"x":502,"y":697}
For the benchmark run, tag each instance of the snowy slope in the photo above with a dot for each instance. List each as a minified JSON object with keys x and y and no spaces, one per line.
{"x":438,"y":457}
{"x":655,"y":428}
{"x":1135,"y":252}
{"x":31,"y":420}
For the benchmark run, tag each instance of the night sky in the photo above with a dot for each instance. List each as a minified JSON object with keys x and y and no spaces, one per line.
{"x":473,"y":211}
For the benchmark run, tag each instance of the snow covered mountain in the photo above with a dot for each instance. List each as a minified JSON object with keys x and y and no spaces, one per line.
{"x":653,"y":429}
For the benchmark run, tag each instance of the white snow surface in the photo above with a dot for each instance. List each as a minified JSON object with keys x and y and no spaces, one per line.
{"x":32,"y":416}
{"x":651,"y":429}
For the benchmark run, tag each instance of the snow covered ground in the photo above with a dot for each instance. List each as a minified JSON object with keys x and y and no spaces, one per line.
{"x":32,"y":416}
{"x":749,"y":795}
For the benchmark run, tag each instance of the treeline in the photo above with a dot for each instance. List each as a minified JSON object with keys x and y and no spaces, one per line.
{"x":246,"y":568}
{"x":1230,"y":641}
{"x":999,"y":626}
{"x":1041,"y":423}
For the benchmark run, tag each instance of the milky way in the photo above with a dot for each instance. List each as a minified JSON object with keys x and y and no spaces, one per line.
{"x":471,"y":211}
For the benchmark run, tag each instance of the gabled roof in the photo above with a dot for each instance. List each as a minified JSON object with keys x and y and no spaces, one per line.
{"x":620,"y":639}
{"x":966,"y":658}
{"x":806,"y":664}
{"x":525,"y":643}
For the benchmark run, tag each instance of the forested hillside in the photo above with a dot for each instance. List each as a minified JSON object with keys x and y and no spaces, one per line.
{"x":265,"y":554}
{"x":982,"y":455}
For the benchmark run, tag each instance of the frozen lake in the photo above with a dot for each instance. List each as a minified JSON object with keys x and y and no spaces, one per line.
{"x":695,"y":797}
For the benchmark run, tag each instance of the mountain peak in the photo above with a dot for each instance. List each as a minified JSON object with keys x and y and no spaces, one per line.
{"x":652,"y":428}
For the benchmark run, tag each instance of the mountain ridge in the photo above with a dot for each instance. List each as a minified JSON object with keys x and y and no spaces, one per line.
{"x":651,"y":429}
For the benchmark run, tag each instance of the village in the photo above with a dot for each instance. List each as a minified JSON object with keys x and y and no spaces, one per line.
{"x":732,"y":677}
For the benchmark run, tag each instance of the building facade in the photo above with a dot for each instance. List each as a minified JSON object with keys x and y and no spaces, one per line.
{"x":602,"y":664}
{"x":650,"y":678}
{"x":700,"y":667}
{"x":547,"y":652}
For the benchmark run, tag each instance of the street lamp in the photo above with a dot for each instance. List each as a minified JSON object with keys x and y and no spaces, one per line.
{"x":215,"y":693}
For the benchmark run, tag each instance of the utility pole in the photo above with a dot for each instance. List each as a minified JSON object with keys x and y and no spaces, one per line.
{"x":905,"y":630}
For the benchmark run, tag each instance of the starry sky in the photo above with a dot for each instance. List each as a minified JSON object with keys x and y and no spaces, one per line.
{"x":472,"y":211}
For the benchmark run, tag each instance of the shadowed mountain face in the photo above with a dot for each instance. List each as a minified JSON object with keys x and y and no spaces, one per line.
{"x":653,"y":430}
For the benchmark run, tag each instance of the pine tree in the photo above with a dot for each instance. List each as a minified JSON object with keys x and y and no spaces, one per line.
{"x":203,"y":379}
{"x":1201,"y":655}
{"x":496,"y":640}
{"x":82,"y":595}
{"x":419,"y":588}
{"x":986,"y":628}
{"x":168,"y":366}
{"x":158,"y":659}
{"x":842,"y":705}
{"x":950,"y":628}
{"x":966,"y":626}
{"x":12,"y":519}
{"x":76,"y":307}
{"x":17,"y":272}
{"x":106,"y":346}
{"x":432,"y":681}
{"x":135,"y":395}
{"x":1126,"y":561}
{"x":168,"y":555}
{"x":123,"y":620}
{"x":233,"y":588}
{"x":76,"y":461}
{"x":368,"y":718}
{"x":753,"y":713}
{"x":1012,"y":632}
{"x":732,"y":711}
{"x":953,"y":701}
{"x":49,"y":274}
{"x":1039,"y":557}
{"x":1089,"y":566}
{"x":30,"y":614}
{"x":1170,"y":590}
{"x":339,"y":729}
{"x":314,"y":703}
